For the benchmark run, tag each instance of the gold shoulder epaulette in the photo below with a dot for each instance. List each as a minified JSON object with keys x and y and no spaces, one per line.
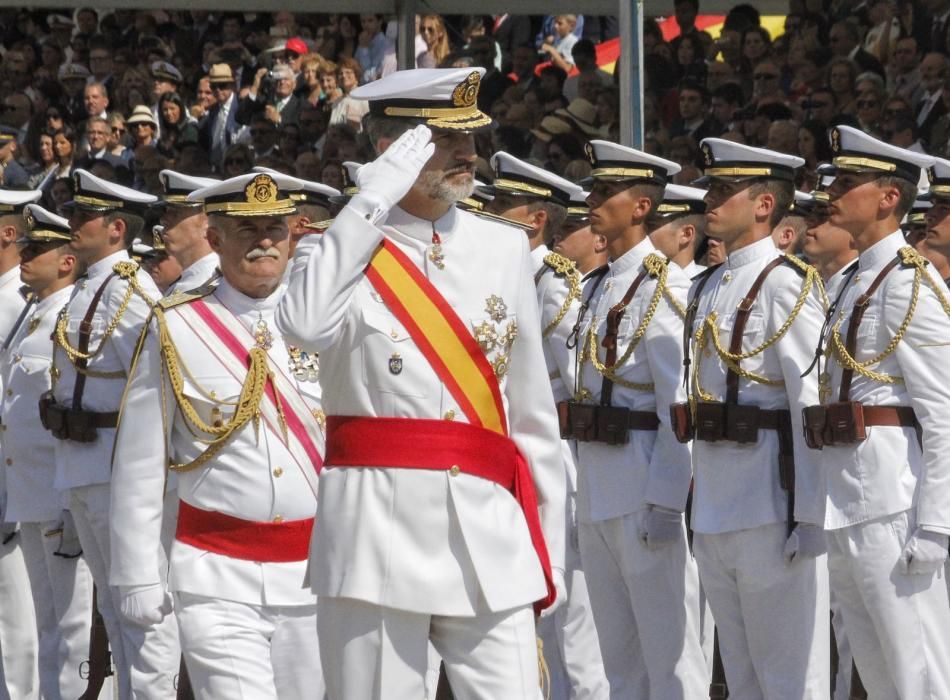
{"x":560,"y":264}
{"x":565,"y":268}
{"x":126,"y":269}
{"x":911,"y":258}
{"x":798,"y":264}
{"x":654,"y":264}
{"x":178,"y":298}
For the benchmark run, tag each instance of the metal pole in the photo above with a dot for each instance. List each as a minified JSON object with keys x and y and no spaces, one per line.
{"x":631,"y":72}
{"x":406,"y":45}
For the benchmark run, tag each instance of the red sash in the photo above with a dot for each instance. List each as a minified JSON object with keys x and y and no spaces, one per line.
{"x":481,"y":448}
{"x":243,"y":539}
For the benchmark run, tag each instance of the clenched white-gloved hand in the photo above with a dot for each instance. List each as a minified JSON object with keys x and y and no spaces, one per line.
{"x":807,"y":541}
{"x":924,"y":553}
{"x":561,"y":588}
{"x":69,"y":546}
{"x":145,"y":605}
{"x":387,"y":179}
{"x":660,"y":527}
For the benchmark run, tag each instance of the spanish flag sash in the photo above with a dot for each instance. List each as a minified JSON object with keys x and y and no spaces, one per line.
{"x":450,"y":348}
{"x":442,"y":337}
{"x":217,"y":328}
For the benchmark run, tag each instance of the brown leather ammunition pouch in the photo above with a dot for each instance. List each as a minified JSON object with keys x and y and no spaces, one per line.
{"x":52,"y":416}
{"x":844,"y":423}
{"x":710,"y":421}
{"x":612,"y":425}
{"x":813,"y":425}
{"x":564,"y":419}
{"x":583,"y":418}
{"x":681,"y":418}
{"x":742,"y":423}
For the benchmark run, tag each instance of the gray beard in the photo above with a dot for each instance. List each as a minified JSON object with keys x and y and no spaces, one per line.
{"x":433,"y":184}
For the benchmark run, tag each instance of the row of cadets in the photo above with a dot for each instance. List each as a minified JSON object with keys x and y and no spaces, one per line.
{"x":677,"y":226}
{"x":95,"y":337}
{"x":753,"y":322}
{"x":216,"y":397}
{"x":633,"y":475}
{"x":882,"y":427}
{"x":417,"y":539}
{"x":929,"y":213}
{"x":46,"y":611}
{"x":538,"y":201}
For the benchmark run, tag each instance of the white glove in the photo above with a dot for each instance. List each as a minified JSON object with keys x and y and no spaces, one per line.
{"x":145,"y":605}
{"x":69,"y":546}
{"x":561,"y":593}
{"x":807,"y":541}
{"x":924,"y":553}
{"x":387,"y":179}
{"x":660,"y":527}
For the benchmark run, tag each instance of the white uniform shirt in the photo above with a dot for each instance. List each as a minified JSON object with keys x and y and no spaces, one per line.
{"x":195,"y":274}
{"x":887,"y":473}
{"x":736,"y":486}
{"x":83,"y":464}
{"x":422,"y":540}
{"x":653,"y":467}
{"x":27,"y":447}
{"x":11,"y":301}
{"x":254,"y":477}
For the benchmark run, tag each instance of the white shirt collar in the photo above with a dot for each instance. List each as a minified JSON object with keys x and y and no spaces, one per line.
{"x":422,"y":229}
{"x":764,"y":248}
{"x":538,"y":254}
{"x":633,"y":257}
{"x":11,"y":276}
{"x":246,"y":308}
{"x":103,"y":267}
{"x":882,"y":251}
{"x":54,"y":300}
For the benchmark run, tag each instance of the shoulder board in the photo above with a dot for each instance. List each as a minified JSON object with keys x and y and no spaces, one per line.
{"x":563,"y":267}
{"x":706,"y":273}
{"x":179,"y":298}
{"x":797,"y":264}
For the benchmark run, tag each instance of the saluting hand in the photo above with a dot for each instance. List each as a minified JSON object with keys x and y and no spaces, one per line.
{"x":387,"y":179}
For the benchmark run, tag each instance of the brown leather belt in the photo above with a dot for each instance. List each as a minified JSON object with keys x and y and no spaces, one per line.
{"x":643,"y":420}
{"x":890,"y":416}
{"x":771,"y":419}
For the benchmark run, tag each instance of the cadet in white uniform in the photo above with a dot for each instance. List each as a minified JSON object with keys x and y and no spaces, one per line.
{"x":884,"y":428}
{"x":185,"y":230}
{"x":59,"y":578}
{"x":18,"y":642}
{"x":758,"y":539}
{"x":678,"y":226}
{"x":96,"y":332}
{"x":416,"y":538}
{"x":633,"y":475}
{"x":217,"y":397}
{"x":539,"y":200}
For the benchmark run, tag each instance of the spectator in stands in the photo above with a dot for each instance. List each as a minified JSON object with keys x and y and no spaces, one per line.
{"x":220,"y":127}
{"x":349,"y":110}
{"x":524,"y":60}
{"x":820,"y":106}
{"x":766,"y":83}
{"x":931,"y":106}
{"x":724,"y":102}
{"x":97,"y":143}
{"x":204,"y":99}
{"x":719,"y":73}
{"x":903,"y":70}
{"x":310,"y":69}
{"x":559,"y":50}
{"x":117,"y":138}
{"x":783,"y":136}
{"x":813,"y":144}
{"x":842,"y":73}
{"x":332,"y":174}
{"x":561,"y":150}
{"x":143,"y":126}
{"x":509,"y":32}
{"x":263,"y":137}
{"x":885,"y":29}
{"x":685,"y":12}
{"x":756,"y":45}
{"x":694,"y":119}
{"x":176,"y":126}
{"x":374,"y":47}
{"x":64,"y":146}
{"x":493,"y":83}
{"x":585,"y":60}
{"x":608,"y":110}
{"x":870,"y":107}
{"x":690,"y":59}
{"x":46,"y":163}
{"x":436,"y":38}
{"x":845,"y":39}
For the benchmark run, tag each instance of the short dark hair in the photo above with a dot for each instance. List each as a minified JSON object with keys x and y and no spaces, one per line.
{"x":695,"y":86}
{"x":730,"y":93}
{"x":907,"y":189}
{"x":133,"y":223}
{"x":556,"y":214}
{"x":378,"y":127}
{"x":782,"y":190}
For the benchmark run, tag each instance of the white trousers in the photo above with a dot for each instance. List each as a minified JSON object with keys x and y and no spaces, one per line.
{"x":898,"y":624}
{"x":843,"y":672}
{"x":62,"y":598}
{"x":18,"y":639}
{"x":370,"y":652}
{"x":571,"y":646}
{"x":772,"y":617}
{"x":146,"y":659}
{"x":646,"y":610}
{"x":260,"y":652}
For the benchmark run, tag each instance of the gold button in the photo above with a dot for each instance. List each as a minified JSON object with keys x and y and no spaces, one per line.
{"x":9,"y":461}
{"x":279,"y":519}
{"x":278,"y":471}
{"x":454,"y":471}
{"x":393,"y":334}
{"x":857,"y":277}
{"x":450,"y":414}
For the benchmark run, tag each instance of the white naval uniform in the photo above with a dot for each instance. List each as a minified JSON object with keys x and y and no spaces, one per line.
{"x":195,"y":275}
{"x":399,"y":556}
{"x":146,"y":659}
{"x":645,"y":602}
{"x":18,"y":642}
{"x":693,"y":269}
{"x":772,"y":617}
{"x":571,"y":647}
{"x":61,"y":587}
{"x":248,"y":629}
{"x":872,"y":495}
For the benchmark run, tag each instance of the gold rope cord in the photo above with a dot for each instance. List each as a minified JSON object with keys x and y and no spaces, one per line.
{"x":247,"y":407}
{"x":657,"y":269}
{"x":563,"y":266}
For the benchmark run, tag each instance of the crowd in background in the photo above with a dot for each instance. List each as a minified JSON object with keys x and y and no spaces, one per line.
{"x":128,"y":93}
